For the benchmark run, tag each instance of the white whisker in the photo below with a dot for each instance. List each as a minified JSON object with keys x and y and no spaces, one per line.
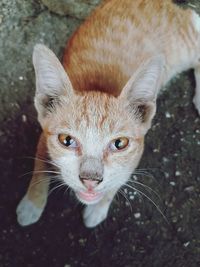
{"x":56,"y":187}
{"x":155,"y":205}
{"x":128,"y":201}
{"x":40,"y":172}
{"x":146,"y":186}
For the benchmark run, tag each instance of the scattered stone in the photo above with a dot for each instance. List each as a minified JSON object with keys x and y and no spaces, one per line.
{"x":189,"y":189}
{"x":191,"y":5}
{"x":135,"y":177}
{"x":24,"y":118}
{"x":76,"y":8}
{"x":137,"y":215}
{"x":177,"y":173}
{"x":125,"y":191}
{"x":186,"y":244}
{"x":165,"y":159}
{"x":82,"y":241}
{"x":166,"y":175}
{"x":167,"y":115}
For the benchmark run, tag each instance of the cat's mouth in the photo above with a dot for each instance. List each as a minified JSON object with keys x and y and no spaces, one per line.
{"x":89,"y":197}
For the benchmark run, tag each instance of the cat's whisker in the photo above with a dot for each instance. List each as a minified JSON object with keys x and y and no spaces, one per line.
{"x":117,"y":196}
{"x":67,"y":189}
{"x":154,"y":204}
{"x":146,"y":186}
{"x":126,"y":198}
{"x":56,"y":187}
{"x":53,"y":180}
{"x":143,"y":172}
{"x":40,"y":172}
{"x":45,"y":160}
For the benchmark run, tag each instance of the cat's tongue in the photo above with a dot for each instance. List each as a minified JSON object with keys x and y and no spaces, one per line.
{"x":89,"y":196}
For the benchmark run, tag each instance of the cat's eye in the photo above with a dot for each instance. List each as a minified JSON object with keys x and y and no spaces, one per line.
{"x":67,"y":140}
{"x":119,"y":144}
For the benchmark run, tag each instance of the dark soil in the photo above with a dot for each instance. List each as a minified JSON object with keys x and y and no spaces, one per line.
{"x":136,"y":233}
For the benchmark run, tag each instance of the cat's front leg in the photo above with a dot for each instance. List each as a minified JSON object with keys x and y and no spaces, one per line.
{"x":32,"y":204}
{"x":96,"y":213}
{"x":196,"y":99}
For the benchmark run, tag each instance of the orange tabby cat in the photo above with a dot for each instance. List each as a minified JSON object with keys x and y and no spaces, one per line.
{"x":96,"y":110}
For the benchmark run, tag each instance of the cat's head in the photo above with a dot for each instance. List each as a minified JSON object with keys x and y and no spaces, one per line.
{"x":94,"y":138}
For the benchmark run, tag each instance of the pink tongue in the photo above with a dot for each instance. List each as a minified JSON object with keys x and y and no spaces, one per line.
{"x":89,"y":196}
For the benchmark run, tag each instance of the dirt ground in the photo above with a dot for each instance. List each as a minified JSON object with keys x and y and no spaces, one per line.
{"x":136,"y":233}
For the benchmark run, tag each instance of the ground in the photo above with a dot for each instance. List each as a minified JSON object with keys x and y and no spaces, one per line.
{"x":135,"y":233}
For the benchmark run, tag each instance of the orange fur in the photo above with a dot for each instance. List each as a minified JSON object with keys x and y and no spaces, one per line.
{"x":111,"y":44}
{"x":114,"y":65}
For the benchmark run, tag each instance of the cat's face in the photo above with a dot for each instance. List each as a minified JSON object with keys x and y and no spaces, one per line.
{"x":92,"y":138}
{"x":95,"y":139}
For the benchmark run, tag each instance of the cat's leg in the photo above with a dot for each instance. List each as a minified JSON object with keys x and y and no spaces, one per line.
{"x":32,"y":204}
{"x":96,"y":213}
{"x":196,"y":99}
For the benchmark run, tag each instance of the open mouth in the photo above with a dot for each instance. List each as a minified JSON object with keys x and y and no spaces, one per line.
{"x":89,"y":196}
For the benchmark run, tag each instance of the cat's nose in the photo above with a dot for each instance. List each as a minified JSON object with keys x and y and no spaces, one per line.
{"x":90,"y":183}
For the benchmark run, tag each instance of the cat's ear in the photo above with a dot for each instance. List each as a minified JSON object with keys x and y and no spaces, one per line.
{"x":140,"y":92}
{"x":51,"y":79}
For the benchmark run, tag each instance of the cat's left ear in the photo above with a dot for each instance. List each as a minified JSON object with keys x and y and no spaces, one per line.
{"x":140,"y":92}
{"x":52,"y":81}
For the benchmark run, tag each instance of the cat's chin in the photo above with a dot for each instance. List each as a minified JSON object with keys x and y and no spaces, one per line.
{"x":89,"y":197}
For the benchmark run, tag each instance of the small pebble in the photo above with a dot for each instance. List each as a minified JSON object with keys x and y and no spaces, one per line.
{"x":172,"y":183}
{"x":165,"y":159}
{"x":192,"y":5}
{"x":167,"y":115}
{"x":166,"y":175}
{"x":137,"y":215}
{"x":125,"y":191}
{"x":177,"y":173}
{"x":24,"y":118}
{"x":186,"y":244}
{"x":189,"y":188}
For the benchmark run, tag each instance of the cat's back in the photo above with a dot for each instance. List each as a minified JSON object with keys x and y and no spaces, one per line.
{"x":118,"y":36}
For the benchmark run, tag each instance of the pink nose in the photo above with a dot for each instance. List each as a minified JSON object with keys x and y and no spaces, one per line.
{"x":89,"y":184}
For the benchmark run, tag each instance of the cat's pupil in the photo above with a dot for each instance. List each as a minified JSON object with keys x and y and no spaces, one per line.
{"x":68,"y":141}
{"x":119,"y":144}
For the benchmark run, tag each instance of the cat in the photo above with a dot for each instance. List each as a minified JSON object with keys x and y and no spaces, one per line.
{"x":96,"y":109}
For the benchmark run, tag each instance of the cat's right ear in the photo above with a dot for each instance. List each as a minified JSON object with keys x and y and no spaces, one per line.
{"x":140,"y":92}
{"x":51,"y":80}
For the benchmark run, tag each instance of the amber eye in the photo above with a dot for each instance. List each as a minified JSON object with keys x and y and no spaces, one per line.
{"x":67,"y":140}
{"x":119,"y":144}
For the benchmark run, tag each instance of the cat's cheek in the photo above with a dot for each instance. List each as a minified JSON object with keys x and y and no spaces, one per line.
{"x":69,"y":168}
{"x":119,"y":167}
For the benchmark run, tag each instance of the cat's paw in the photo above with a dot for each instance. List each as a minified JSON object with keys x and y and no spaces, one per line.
{"x":196,"y":102}
{"x":27,"y":212}
{"x":94,"y":215}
